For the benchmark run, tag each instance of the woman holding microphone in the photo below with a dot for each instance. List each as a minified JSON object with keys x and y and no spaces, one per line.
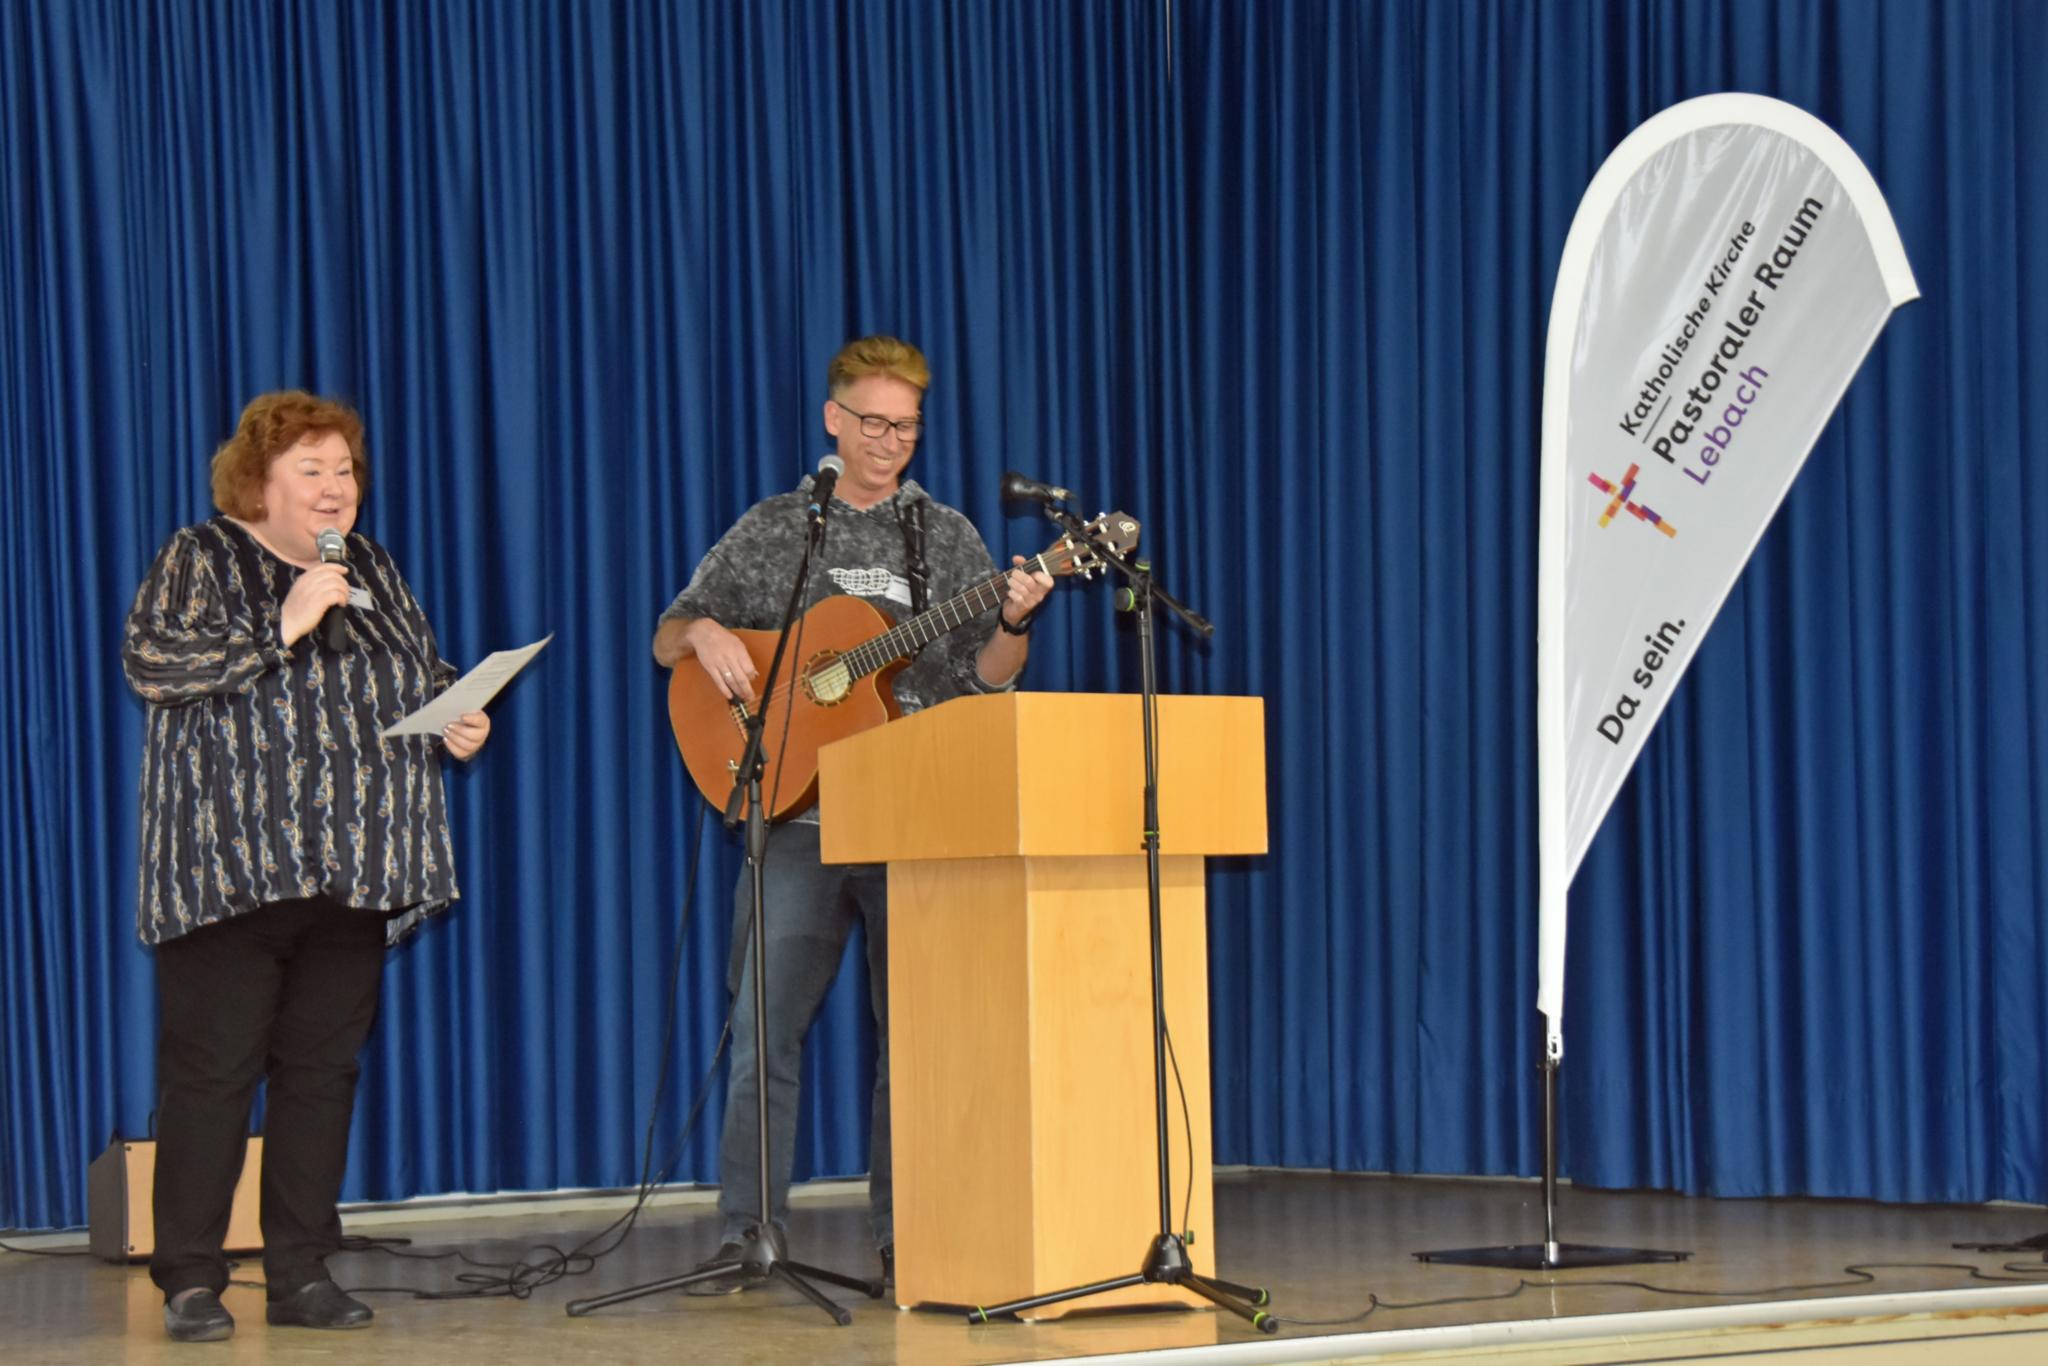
{"x":284,"y":844}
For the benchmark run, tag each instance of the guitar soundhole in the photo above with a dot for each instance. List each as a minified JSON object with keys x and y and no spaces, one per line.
{"x":828,"y":681}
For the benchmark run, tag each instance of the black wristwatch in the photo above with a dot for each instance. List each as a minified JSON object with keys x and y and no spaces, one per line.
{"x":1022,"y":628}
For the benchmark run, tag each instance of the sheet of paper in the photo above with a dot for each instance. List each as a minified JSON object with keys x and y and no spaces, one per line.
{"x":469,"y":692}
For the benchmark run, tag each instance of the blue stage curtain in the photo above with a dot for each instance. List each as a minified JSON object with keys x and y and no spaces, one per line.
{"x":1808,"y":951}
{"x":581,"y":267}
{"x":1272,"y":277}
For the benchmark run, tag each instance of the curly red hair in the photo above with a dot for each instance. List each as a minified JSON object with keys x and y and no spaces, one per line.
{"x":272,"y":424}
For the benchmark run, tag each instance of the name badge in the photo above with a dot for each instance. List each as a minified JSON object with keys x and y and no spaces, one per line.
{"x":358,"y":596}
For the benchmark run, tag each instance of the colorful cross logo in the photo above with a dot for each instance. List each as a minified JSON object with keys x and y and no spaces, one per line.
{"x":1622,"y":500}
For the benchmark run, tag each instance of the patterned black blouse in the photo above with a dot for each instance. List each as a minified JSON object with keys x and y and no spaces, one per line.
{"x":264,"y":777}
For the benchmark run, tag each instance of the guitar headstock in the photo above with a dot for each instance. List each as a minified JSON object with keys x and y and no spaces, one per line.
{"x":1114,"y":531}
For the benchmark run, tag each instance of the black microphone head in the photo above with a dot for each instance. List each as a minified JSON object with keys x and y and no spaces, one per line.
{"x":1018,"y":489}
{"x":822,"y":484}
{"x":826,"y":479}
{"x":333,"y":548}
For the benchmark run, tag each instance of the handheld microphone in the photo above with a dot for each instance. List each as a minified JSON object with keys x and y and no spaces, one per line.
{"x":1018,"y":489}
{"x":333,"y":550}
{"x":822,"y":484}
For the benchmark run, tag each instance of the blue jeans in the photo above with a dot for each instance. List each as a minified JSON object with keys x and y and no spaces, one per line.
{"x":811,"y":909}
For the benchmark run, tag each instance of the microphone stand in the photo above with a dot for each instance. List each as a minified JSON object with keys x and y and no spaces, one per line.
{"x":1166,"y":1260}
{"x":762,"y":1255}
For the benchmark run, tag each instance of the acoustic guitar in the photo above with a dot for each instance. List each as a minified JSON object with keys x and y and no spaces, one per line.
{"x":842,"y":683}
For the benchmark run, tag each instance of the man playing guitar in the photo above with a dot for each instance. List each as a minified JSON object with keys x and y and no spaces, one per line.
{"x":890,"y":543}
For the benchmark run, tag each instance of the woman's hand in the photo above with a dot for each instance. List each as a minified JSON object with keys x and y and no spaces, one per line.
{"x":312,"y":593}
{"x":466,"y":736}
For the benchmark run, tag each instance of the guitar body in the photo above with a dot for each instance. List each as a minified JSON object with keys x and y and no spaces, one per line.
{"x":711,"y":732}
{"x":831,"y":691}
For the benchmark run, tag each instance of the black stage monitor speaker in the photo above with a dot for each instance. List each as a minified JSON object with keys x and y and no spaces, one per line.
{"x":118,"y":1189}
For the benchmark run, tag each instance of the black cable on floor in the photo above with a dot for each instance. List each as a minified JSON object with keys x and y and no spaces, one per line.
{"x":2037,"y":1243}
{"x":1861,"y":1273}
{"x":545,"y":1264}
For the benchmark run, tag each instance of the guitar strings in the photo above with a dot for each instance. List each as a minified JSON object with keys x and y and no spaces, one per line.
{"x":1000,"y":582}
{"x":904,"y":633}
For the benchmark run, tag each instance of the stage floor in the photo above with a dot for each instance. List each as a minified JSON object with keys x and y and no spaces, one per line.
{"x":1327,"y":1247}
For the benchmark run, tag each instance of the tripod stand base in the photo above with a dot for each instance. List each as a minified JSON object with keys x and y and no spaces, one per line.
{"x":1550,"y":1256}
{"x":1166,"y":1263}
{"x":760,"y":1260}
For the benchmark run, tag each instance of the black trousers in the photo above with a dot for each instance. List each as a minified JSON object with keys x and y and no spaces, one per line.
{"x":287,"y":993}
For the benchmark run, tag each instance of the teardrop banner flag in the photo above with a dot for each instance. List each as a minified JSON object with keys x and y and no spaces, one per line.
{"x":1727,"y":271}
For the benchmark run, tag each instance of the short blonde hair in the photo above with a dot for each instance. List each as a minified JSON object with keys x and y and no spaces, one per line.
{"x":272,"y":424}
{"x":864,"y":356}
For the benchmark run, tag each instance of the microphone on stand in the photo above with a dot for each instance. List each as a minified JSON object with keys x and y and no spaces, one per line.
{"x":333,"y":550}
{"x":822,"y":484}
{"x":1018,"y":489}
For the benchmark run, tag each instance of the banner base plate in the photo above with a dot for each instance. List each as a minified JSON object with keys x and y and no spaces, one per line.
{"x":1550,"y":1257}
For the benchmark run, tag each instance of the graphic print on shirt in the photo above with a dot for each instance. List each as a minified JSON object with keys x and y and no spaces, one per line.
{"x":873,"y":583}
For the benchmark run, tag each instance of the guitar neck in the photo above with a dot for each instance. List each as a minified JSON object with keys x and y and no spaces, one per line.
{"x":905,"y":640}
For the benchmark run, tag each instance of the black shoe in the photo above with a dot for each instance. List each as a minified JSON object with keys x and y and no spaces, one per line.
{"x":889,"y":1267}
{"x":731,"y":1283}
{"x":319,"y":1304}
{"x":199,"y":1317}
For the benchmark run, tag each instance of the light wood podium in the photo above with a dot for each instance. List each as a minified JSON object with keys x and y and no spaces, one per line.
{"x":1020,"y":977}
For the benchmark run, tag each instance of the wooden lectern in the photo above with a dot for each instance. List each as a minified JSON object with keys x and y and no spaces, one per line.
{"x":1020,"y":976}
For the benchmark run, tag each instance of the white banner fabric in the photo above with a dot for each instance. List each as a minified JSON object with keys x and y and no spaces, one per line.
{"x":1726,"y":273}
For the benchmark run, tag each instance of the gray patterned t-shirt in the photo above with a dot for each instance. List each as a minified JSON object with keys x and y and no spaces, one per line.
{"x":743,"y":582}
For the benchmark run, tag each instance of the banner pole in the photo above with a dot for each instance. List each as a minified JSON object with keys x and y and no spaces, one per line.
{"x":1729,"y":267}
{"x":1549,"y":1157}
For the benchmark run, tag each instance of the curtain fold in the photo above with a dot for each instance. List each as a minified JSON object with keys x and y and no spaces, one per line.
{"x":1808,"y":947}
{"x":581,"y":266}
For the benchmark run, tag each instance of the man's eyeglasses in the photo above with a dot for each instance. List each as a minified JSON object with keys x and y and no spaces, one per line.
{"x":874,"y":425}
